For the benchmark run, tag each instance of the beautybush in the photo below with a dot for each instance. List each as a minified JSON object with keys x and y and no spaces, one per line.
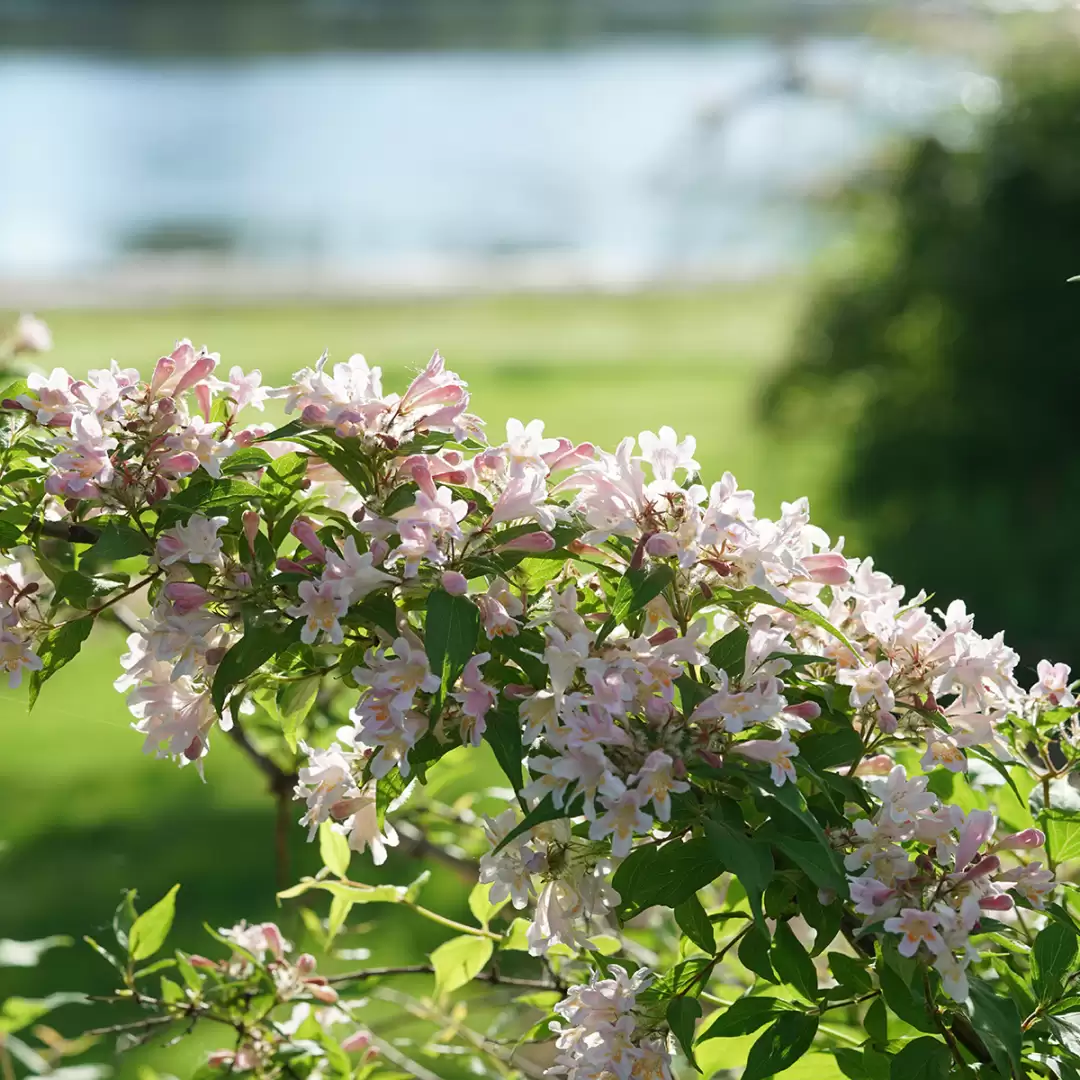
{"x":730,"y":745}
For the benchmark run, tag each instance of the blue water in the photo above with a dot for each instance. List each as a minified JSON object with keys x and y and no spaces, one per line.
{"x":622,"y":161}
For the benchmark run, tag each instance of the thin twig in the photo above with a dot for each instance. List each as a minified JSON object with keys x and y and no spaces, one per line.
{"x":492,"y":977}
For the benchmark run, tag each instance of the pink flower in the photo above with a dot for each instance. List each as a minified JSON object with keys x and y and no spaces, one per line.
{"x":1028,"y":838}
{"x":828,"y":568}
{"x":321,"y":605}
{"x":534,"y":542}
{"x":456,"y":584}
{"x":777,"y":752}
{"x":917,"y":927}
{"x":16,"y":654}
{"x":977,"y":828}
{"x":476,"y":698}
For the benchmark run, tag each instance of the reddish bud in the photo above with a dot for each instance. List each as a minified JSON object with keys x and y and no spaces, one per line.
{"x":804,"y":710}
{"x":1001,"y":902}
{"x":669,"y":633}
{"x":530,"y":542}
{"x":455,"y":583}
{"x":1029,"y":838}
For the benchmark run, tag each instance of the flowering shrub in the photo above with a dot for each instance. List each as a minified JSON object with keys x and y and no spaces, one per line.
{"x":752,"y":789}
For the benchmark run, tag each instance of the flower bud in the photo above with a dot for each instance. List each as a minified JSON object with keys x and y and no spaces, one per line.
{"x":274,"y":941}
{"x":314,"y":414}
{"x":187,"y":596}
{"x":356,"y":1042}
{"x":1018,"y":841}
{"x":304,"y":531}
{"x":804,"y":710}
{"x":715,"y":760}
{"x":657,"y":710}
{"x":198,"y":961}
{"x":454,"y":583}
{"x":379,"y":550}
{"x":194,"y":749}
{"x":195,"y":374}
{"x":1001,"y":902}
{"x":669,"y":633}
{"x":163,"y":372}
{"x":321,"y":992}
{"x":721,"y":568}
{"x":533,"y":541}
{"x":215,"y":656}
{"x":828,"y":568}
{"x":518,"y":690}
{"x":203,"y":400}
{"x":305,"y":963}
{"x":251,"y":521}
{"x":662,"y":546}
{"x":291,"y":566}
{"x":986,"y":866}
{"x":886,"y":722}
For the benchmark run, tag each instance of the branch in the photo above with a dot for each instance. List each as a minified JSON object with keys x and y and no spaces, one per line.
{"x":63,"y":530}
{"x":492,"y":977}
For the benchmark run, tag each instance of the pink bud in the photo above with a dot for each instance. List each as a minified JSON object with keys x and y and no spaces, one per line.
{"x":314,"y":414}
{"x":669,"y":633}
{"x":197,"y":961}
{"x":457,"y":477}
{"x":357,"y":1041}
{"x":518,"y":690}
{"x":804,"y":710}
{"x":1028,"y":838}
{"x":274,"y":941}
{"x":304,"y":531}
{"x":163,"y":371}
{"x":991,"y":864}
{"x":321,"y":992}
{"x":187,"y":595}
{"x":251,"y":528}
{"x":160,"y":490}
{"x":219,"y":1058}
{"x":241,"y":579}
{"x":196,"y":373}
{"x":291,"y":566}
{"x":661,"y":546}
{"x":721,"y":568}
{"x":715,"y":760}
{"x":454,"y":583}
{"x":577,"y":546}
{"x":182,"y":464}
{"x":194,"y":749}
{"x":421,"y":473}
{"x":828,"y":568}
{"x":379,"y":550}
{"x":657,"y":710}
{"x":202,"y":398}
{"x":1001,"y":902}
{"x":533,"y":541}
{"x":886,"y":722}
{"x":305,"y":963}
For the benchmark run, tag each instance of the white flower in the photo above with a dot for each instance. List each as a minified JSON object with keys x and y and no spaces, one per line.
{"x":15,"y":655}
{"x":621,"y":820}
{"x":1053,"y":685}
{"x":355,"y":572}
{"x":902,"y":799}
{"x":322,"y":604}
{"x":777,"y":752}
{"x":197,"y":541}
{"x":526,"y":446}
{"x":656,"y":781}
{"x":666,"y":454}
{"x":917,"y":927}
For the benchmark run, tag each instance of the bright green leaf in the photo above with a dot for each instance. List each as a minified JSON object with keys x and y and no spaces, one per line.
{"x":151,"y":928}
{"x":459,"y":960}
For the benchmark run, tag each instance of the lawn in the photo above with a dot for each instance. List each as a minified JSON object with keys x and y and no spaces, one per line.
{"x":83,"y":814}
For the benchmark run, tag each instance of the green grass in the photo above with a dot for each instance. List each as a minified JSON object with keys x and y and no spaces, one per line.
{"x":84,"y":814}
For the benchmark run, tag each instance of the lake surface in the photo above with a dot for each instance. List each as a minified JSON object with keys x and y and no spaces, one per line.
{"x":612,"y":163}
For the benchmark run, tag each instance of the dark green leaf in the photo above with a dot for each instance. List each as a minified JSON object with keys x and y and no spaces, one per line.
{"x":780,"y":1045}
{"x":116,"y":542}
{"x":921,"y":1059}
{"x":695,"y":924}
{"x":79,"y":589}
{"x":876,"y":1022}
{"x":246,"y":459}
{"x":503,"y":735}
{"x":754,"y":954}
{"x":544,"y":810}
{"x":1052,"y":959}
{"x":636,"y":589}
{"x":666,"y":874}
{"x":453,"y":623}
{"x":749,"y":860}
{"x":59,"y":646}
{"x":849,"y":973}
{"x":997,"y":1021}
{"x":729,"y":653}
{"x":863,"y":1064}
{"x":792,"y":962}
{"x":819,"y":865}
{"x":899,"y":996}
{"x":688,"y":977}
{"x":258,"y":645}
{"x":682,"y":1014}
{"x":744,"y":1016}
{"x":825,"y":749}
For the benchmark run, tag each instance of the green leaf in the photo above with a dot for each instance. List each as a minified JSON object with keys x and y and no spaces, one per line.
{"x":744,"y":1016}
{"x":17,"y":1012}
{"x":258,"y":645}
{"x":694,"y":923}
{"x":481,"y":906}
{"x":151,"y":928}
{"x":636,"y":589}
{"x":729,"y":653}
{"x":116,"y":543}
{"x":544,"y":810}
{"x":876,"y":1022}
{"x":682,"y":1014}
{"x":998,"y":1022}
{"x":749,"y":860}
{"x":453,"y":623}
{"x":792,"y":962}
{"x":246,"y":459}
{"x":459,"y":960}
{"x":849,"y":973}
{"x":334,"y":849}
{"x":57,"y":648}
{"x":826,"y":749}
{"x":866,"y":1064}
{"x":294,"y":702}
{"x":666,"y":874}
{"x":809,"y":856}
{"x":503,"y":735}
{"x":903,"y":1001}
{"x":754,"y":954}
{"x":780,"y":1045}
{"x":78,"y":589}
{"x":1052,"y":959}
{"x":354,"y":891}
{"x":391,"y":791}
{"x":1062,"y":828}
{"x":124,"y":918}
{"x":921,"y":1059}
{"x":13,"y":522}
{"x":686,"y":978}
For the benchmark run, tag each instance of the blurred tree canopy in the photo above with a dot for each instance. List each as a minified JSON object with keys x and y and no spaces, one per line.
{"x":958,"y":336}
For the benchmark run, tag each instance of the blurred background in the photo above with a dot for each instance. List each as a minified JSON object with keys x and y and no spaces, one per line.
{"x":830,"y":239}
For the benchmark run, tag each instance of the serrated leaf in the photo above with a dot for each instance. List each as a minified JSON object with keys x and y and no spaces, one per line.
{"x":151,"y":928}
{"x":459,"y":960}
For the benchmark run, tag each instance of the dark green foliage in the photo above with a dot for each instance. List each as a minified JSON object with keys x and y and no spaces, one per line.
{"x":957,"y":339}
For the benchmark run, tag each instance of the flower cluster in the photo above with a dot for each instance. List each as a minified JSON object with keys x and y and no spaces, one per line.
{"x":651,"y":662}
